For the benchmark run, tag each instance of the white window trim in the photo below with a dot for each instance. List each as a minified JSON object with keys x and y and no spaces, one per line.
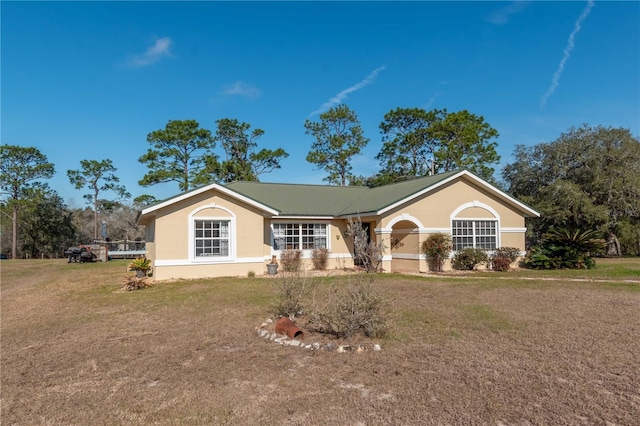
{"x":306,"y":253}
{"x":479,"y":204}
{"x":192,"y":235}
{"x":483,"y":219}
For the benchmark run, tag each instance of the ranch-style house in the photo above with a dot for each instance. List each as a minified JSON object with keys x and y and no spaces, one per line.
{"x":236,"y":228}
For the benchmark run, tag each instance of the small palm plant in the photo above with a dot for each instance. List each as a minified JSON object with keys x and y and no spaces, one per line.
{"x":141,"y":265}
{"x":562,"y":248}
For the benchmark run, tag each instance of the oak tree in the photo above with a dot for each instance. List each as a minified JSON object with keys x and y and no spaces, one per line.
{"x":20,"y":168}
{"x":46,"y":227}
{"x":588,"y":178}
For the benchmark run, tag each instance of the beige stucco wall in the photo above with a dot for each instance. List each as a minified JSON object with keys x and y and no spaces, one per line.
{"x":173,"y":235}
{"x":169,"y":238}
{"x":172,"y":225}
{"x":433,"y":211}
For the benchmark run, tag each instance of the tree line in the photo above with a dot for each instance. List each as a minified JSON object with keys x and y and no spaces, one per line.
{"x":573,"y":187}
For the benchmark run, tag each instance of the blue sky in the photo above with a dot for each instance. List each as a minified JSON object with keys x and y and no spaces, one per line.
{"x":90,"y":80}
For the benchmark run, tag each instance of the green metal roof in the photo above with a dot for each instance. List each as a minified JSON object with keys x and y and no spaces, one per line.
{"x":325,"y":200}
{"x":301,"y":200}
{"x":284,"y":199}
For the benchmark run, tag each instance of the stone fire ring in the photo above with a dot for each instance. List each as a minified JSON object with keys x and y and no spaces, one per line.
{"x":287,"y":333}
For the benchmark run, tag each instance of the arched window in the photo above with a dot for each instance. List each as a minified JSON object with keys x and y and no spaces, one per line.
{"x":475,"y":225}
{"x":211,"y":234}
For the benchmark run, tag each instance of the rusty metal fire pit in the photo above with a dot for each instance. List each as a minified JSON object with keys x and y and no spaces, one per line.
{"x":286,"y":326}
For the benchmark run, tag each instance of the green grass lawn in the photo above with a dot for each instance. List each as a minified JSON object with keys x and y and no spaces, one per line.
{"x":606,"y":269}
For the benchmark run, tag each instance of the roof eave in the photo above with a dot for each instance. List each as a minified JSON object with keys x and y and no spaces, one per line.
{"x":358,"y":214}
{"x":213,"y":186}
{"x":304,"y":216}
{"x":529,"y":212}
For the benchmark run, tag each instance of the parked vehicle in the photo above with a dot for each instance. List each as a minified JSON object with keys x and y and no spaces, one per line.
{"x":80,"y":255}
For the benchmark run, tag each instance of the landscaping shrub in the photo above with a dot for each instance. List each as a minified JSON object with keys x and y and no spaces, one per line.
{"x":511,"y":253}
{"x":293,"y":292}
{"x":565,"y":249}
{"x":500,"y":264}
{"x":132,"y":282}
{"x":437,"y":248}
{"x":467,"y":259}
{"x":291,"y":260}
{"x":358,"y":307}
{"x":320,"y":258}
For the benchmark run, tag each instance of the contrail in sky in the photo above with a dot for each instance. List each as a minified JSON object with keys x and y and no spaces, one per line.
{"x":342,"y":95}
{"x":160,"y":49}
{"x":567,"y":52}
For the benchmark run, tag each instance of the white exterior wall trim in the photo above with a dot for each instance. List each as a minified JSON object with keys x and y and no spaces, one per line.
{"x":188,"y":262}
{"x":409,"y":256}
{"x":513,"y":230}
{"x":435,"y":231}
{"x":400,"y":218}
{"x":474,"y":204}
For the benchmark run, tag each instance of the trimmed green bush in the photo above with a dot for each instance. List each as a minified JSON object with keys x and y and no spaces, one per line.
{"x":467,"y":259}
{"x":437,"y":248}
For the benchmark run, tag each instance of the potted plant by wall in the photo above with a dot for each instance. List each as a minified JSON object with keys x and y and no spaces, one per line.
{"x":141,"y":265}
{"x":272,"y":268}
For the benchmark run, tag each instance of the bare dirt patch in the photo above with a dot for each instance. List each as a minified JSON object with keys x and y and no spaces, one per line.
{"x":461,"y":351}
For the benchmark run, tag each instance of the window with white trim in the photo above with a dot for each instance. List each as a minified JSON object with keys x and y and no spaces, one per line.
{"x":481,"y":234}
{"x":299,"y":236}
{"x":211,"y":238}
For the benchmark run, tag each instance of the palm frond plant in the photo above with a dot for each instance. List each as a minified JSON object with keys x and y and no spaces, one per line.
{"x":141,"y":265}
{"x":562,"y":248}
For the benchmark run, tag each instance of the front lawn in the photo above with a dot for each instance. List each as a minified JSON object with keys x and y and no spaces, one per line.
{"x":520,"y":347}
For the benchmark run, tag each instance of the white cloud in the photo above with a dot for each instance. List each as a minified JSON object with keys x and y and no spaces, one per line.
{"x":337,"y":99}
{"x":240,"y":88}
{"x":160,"y":49}
{"x":555,"y":80}
{"x":501,"y":16}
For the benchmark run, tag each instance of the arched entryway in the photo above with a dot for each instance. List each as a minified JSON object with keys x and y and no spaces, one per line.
{"x":404,"y":245}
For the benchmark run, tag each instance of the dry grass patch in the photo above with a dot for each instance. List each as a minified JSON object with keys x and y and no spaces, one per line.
{"x":460,"y":351}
